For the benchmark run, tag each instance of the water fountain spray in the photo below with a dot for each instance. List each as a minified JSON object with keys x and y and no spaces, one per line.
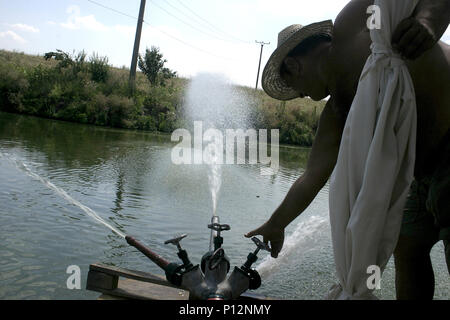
{"x":213,"y":101}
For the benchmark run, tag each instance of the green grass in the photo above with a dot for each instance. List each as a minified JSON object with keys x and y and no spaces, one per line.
{"x":91,"y":92}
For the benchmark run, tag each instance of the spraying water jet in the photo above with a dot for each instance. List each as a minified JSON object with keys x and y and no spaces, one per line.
{"x":62,"y":193}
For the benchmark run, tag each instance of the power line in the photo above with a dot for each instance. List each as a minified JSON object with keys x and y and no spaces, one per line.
{"x":210,"y":24}
{"x":161,"y":31}
{"x":203,"y":23}
{"x":184,"y":14}
{"x":188,"y":44}
{"x":187,"y":23}
{"x":112,"y":9}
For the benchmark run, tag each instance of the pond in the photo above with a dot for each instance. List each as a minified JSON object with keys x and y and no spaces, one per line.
{"x":129,"y":180}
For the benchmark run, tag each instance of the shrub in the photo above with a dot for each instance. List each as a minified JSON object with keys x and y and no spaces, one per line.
{"x":146,"y":123}
{"x":76,"y":62}
{"x":41,"y":81}
{"x":99,"y":68}
{"x":97,"y":110}
{"x":120,"y":111}
{"x":13,"y":84}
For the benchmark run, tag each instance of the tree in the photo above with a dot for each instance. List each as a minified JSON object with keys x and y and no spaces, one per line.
{"x":152,"y":65}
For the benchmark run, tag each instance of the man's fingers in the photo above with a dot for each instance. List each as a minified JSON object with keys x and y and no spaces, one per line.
{"x":412,"y":38}
{"x":252,"y":233}
{"x":401,"y":29}
{"x":276,"y":247}
{"x":416,"y":45}
{"x":426,"y":45}
{"x":407,"y":39}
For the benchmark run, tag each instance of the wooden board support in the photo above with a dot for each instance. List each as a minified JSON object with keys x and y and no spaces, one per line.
{"x":118,"y":283}
{"x":130,"y":274}
{"x":102,"y":280}
{"x":129,"y":284}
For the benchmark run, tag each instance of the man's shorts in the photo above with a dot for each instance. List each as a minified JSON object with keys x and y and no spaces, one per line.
{"x":427,"y":210}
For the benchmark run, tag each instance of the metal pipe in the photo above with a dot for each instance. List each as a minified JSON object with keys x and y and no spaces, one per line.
{"x":156,"y":258}
{"x":214,"y":219}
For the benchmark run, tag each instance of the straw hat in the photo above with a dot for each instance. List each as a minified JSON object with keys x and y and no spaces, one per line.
{"x":288,"y":39}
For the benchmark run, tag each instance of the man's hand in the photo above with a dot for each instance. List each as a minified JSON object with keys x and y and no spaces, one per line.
{"x":412,"y":38}
{"x":272,"y":234}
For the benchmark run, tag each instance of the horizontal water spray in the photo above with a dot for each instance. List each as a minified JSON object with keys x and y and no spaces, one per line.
{"x":62,"y":193}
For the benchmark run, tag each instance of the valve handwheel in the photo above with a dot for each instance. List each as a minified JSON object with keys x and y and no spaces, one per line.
{"x":261,"y":245}
{"x":219,"y":227}
{"x":176,"y":241}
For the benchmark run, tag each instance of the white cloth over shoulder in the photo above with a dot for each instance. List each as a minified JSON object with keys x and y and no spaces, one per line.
{"x":375,"y":166}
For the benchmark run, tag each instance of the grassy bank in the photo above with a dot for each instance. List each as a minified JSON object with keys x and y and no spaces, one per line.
{"x":88,"y":90}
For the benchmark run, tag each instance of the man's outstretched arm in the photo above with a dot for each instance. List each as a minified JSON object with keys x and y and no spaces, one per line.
{"x":422,"y":31}
{"x":321,"y":163}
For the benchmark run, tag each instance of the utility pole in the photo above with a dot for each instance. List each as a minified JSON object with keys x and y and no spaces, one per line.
{"x":262,"y":43}
{"x":137,"y":42}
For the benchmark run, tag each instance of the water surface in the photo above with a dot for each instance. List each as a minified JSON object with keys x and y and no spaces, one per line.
{"x":128,"y":179}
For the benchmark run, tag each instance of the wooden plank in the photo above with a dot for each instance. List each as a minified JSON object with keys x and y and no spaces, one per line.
{"x":253,"y":296}
{"x":107,"y":297}
{"x":131,"y":274}
{"x":138,"y":290}
{"x":98,"y":279}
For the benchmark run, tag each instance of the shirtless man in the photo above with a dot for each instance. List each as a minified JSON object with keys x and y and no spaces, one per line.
{"x":332,"y":67}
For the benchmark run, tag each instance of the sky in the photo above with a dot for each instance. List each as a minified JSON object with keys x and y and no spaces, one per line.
{"x":194,"y":35}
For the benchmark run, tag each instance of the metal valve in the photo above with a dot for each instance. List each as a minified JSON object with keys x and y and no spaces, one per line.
{"x":218,"y":240}
{"x":253,"y":275}
{"x":176,"y":241}
{"x":182,"y":254}
{"x":252,"y":257}
{"x":219,"y":227}
{"x":216,"y":258}
{"x":260,"y":246}
{"x":209,"y":279}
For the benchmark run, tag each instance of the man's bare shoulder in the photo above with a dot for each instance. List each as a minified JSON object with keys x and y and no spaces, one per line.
{"x":351,"y":20}
{"x":350,"y":49}
{"x":351,"y":37}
